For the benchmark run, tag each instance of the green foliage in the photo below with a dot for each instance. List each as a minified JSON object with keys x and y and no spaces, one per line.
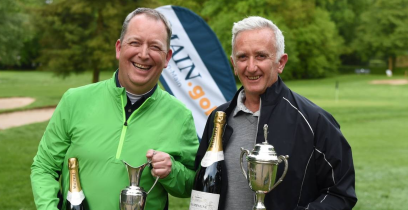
{"x":346,"y":15}
{"x":15,"y":30}
{"x":383,"y":30}
{"x":312,"y":40}
{"x":79,"y":35}
{"x":194,"y":6}
{"x":317,"y":46}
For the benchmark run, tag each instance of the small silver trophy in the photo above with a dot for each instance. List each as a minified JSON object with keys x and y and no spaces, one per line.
{"x":133,"y":197}
{"x":262,"y":166}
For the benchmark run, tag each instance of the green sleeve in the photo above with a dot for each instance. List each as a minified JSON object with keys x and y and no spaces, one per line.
{"x":49,"y":159}
{"x":179,"y":182}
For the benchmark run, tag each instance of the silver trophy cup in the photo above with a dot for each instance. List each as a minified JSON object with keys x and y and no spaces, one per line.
{"x":133,"y":197}
{"x":261,"y":170}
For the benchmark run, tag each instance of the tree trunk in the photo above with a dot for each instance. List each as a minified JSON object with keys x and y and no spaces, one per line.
{"x":390,"y":63}
{"x":98,"y":31}
{"x":95,"y":77}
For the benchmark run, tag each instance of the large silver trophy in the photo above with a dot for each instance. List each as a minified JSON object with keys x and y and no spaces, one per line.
{"x":133,"y":197}
{"x":262,"y":166}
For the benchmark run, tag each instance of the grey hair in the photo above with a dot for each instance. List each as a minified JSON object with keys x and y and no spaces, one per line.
{"x":150,"y":13}
{"x":256,"y":22}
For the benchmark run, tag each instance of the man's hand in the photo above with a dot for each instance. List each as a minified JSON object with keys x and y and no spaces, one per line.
{"x":161,"y":163}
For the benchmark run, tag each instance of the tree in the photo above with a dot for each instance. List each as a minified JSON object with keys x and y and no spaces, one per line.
{"x":80,"y":35}
{"x":193,"y":5}
{"x":346,"y":15}
{"x":318,"y":46}
{"x":311,"y":38}
{"x":383,"y":30}
{"x":14,"y":31}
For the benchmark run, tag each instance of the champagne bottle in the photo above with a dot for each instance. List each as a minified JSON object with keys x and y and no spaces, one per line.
{"x":207,"y":184}
{"x":75,"y":198}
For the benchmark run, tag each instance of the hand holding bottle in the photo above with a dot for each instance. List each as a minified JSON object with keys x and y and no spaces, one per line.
{"x":160,"y":162}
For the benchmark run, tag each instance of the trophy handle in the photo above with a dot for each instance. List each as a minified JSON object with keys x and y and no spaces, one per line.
{"x":280,"y":158}
{"x":155,"y":182}
{"x":243,"y":152}
{"x":149,"y":162}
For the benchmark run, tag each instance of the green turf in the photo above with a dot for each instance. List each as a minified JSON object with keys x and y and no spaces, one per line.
{"x":44,"y":86}
{"x":374,"y":119}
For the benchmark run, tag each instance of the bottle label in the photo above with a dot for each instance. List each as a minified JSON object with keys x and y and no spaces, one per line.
{"x":203,"y":200}
{"x":75,"y":198}
{"x":211,"y":157}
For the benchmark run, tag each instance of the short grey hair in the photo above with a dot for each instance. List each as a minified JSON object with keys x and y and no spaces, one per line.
{"x":150,"y":13}
{"x":256,"y":22}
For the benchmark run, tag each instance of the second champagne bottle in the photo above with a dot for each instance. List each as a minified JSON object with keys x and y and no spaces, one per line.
{"x":207,"y":184}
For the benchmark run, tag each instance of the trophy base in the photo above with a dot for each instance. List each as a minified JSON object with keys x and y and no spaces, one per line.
{"x":259,"y":207}
{"x":259,"y":201}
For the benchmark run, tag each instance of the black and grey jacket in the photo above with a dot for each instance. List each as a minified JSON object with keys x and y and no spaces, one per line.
{"x":321,"y":172}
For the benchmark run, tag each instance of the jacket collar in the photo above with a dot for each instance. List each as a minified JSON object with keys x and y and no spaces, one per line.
{"x":118,"y":91}
{"x":274,"y":93}
{"x":270,"y":97}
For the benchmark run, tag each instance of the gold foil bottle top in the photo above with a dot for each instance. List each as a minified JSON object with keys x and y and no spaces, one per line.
{"x":220,"y":117}
{"x":218,"y":131}
{"x":74,"y":183}
{"x":72,"y":163}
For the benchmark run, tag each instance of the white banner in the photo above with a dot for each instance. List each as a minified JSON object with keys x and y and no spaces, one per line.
{"x":187,"y":76}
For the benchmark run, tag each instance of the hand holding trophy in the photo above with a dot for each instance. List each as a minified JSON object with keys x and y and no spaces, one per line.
{"x":261,"y":170}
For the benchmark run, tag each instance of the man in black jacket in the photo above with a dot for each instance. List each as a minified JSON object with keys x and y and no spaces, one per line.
{"x":321,"y":172}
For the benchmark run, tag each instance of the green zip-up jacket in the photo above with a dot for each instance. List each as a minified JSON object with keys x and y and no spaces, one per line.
{"x":89,"y":124}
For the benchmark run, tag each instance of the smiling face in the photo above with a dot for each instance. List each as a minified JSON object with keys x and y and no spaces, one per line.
{"x":143,"y":54}
{"x":254,"y":60}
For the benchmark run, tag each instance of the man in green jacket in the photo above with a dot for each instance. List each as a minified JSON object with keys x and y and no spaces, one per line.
{"x":126,"y":118}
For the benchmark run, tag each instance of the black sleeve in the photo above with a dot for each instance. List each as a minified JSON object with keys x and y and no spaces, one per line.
{"x":205,"y":140}
{"x":334,"y":167}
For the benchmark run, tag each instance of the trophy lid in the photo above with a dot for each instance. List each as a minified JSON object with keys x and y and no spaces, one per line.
{"x":264,"y":152}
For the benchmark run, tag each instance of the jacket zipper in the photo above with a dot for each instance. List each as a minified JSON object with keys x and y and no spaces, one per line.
{"x":124,"y":127}
{"x":259,"y":118}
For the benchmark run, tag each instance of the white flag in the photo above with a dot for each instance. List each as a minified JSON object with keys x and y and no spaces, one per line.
{"x":199,"y":73}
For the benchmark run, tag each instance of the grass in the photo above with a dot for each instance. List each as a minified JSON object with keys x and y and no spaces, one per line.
{"x":44,"y":86}
{"x":374,"y":120}
{"x":17,"y":149}
{"x":372,"y":117}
